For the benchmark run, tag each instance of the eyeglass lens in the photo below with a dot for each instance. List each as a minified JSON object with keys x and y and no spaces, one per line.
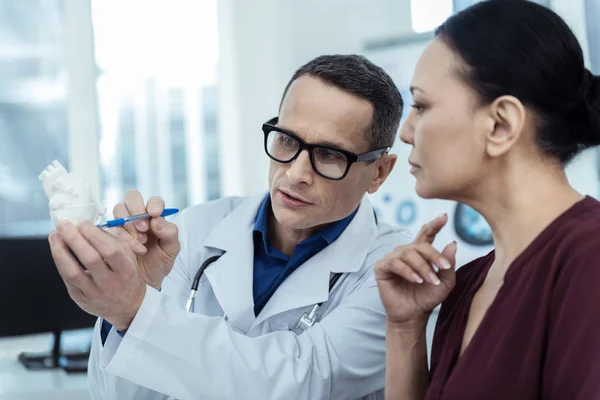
{"x":327,"y":162}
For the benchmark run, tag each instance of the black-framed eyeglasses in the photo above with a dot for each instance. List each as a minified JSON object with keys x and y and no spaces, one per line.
{"x":327,"y":161}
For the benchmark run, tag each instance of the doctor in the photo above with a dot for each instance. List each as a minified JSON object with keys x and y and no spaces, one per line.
{"x":278,"y":254}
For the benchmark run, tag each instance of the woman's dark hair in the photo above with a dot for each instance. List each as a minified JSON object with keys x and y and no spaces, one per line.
{"x":519,"y":48}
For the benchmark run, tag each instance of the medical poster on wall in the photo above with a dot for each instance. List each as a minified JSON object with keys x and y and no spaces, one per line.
{"x":397,"y":203}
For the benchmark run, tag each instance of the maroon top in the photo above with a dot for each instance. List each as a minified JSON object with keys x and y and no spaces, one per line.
{"x":540,"y":338}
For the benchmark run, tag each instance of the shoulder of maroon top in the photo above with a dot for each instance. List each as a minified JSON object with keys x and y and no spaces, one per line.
{"x":576,"y":261}
{"x":582,"y":230}
{"x":474,"y":266}
{"x":466,"y":275}
{"x":577,"y":244}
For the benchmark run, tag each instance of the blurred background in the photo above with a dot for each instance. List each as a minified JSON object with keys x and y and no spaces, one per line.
{"x":168,"y":97}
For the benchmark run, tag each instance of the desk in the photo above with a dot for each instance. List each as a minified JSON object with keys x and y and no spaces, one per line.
{"x":17,"y":383}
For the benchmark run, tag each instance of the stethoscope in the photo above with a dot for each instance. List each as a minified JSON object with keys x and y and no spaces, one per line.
{"x":306,"y":320}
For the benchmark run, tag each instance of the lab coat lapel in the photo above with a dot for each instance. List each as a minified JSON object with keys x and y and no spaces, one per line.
{"x":309,"y":284}
{"x":231,"y":276}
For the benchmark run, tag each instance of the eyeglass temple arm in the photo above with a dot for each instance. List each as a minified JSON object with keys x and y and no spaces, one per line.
{"x":372,"y":155}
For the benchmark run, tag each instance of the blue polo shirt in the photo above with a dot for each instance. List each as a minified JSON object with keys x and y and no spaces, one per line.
{"x":272,"y":267}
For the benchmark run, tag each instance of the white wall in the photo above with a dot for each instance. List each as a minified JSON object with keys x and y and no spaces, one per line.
{"x":262,"y":43}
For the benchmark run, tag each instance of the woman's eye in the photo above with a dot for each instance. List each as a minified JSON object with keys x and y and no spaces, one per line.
{"x":419,"y":108}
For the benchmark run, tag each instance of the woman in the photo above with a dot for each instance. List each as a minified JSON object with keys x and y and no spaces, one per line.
{"x":502,"y":102}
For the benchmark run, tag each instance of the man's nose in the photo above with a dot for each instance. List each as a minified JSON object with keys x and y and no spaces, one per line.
{"x":300,"y":170}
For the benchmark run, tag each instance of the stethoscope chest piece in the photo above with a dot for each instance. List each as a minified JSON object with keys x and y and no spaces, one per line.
{"x":307,"y":319}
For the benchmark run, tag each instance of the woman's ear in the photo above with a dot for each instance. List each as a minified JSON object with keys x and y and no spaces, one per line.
{"x":508,"y":119}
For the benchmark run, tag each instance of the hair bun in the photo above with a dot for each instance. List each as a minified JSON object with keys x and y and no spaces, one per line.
{"x":591,"y":87}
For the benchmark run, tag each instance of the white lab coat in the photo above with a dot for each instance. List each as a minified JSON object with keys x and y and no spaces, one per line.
{"x":222,"y":351}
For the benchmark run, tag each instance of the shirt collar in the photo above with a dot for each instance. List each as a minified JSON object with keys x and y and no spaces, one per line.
{"x":330,"y":233}
{"x":260,"y":225}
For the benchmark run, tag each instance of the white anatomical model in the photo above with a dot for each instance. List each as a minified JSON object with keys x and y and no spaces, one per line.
{"x":69,"y":197}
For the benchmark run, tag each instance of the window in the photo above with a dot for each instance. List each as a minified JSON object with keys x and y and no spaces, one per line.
{"x":426,"y":15}
{"x":33,"y":110}
{"x":211,"y":153}
{"x":461,"y":4}
{"x":157,"y":99}
{"x":592,"y":13}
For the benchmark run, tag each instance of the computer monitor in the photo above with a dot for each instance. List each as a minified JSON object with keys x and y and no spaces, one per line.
{"x":34,"y":299}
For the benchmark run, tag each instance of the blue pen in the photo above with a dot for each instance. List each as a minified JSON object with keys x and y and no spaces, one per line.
{"x":133,"y":218}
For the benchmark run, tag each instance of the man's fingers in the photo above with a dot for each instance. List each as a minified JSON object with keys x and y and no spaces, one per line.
{"x":121,"y":233}
{"x":120,"y":211}
{"x":83,"y":250}
{"x":68,"y":267}
{"x":112,"y":251}
{"x":168,"y":235}
{"x":155,"y":206}
{"x":135,"y":205}
{"x":139,"y":249}
{"x":125,"y":237}
{"x":431,"y":229}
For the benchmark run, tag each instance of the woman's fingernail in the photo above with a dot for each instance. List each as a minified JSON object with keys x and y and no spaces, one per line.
{"x":160,"y":224}
{"x":417,"y":279}
{"x":444,"y":264}
{"x":139,"y":248}
{"x":434,"y":279}
{"x":62,"y":227}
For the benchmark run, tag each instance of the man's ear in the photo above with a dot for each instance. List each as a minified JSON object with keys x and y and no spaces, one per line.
{"x":385,"y":165}
{"x":507,"y":119}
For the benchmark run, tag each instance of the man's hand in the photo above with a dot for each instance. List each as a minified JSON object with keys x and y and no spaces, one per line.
{"x":101,"y":273}
{"x":159,"y":238}
{"x":409,"y":286}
